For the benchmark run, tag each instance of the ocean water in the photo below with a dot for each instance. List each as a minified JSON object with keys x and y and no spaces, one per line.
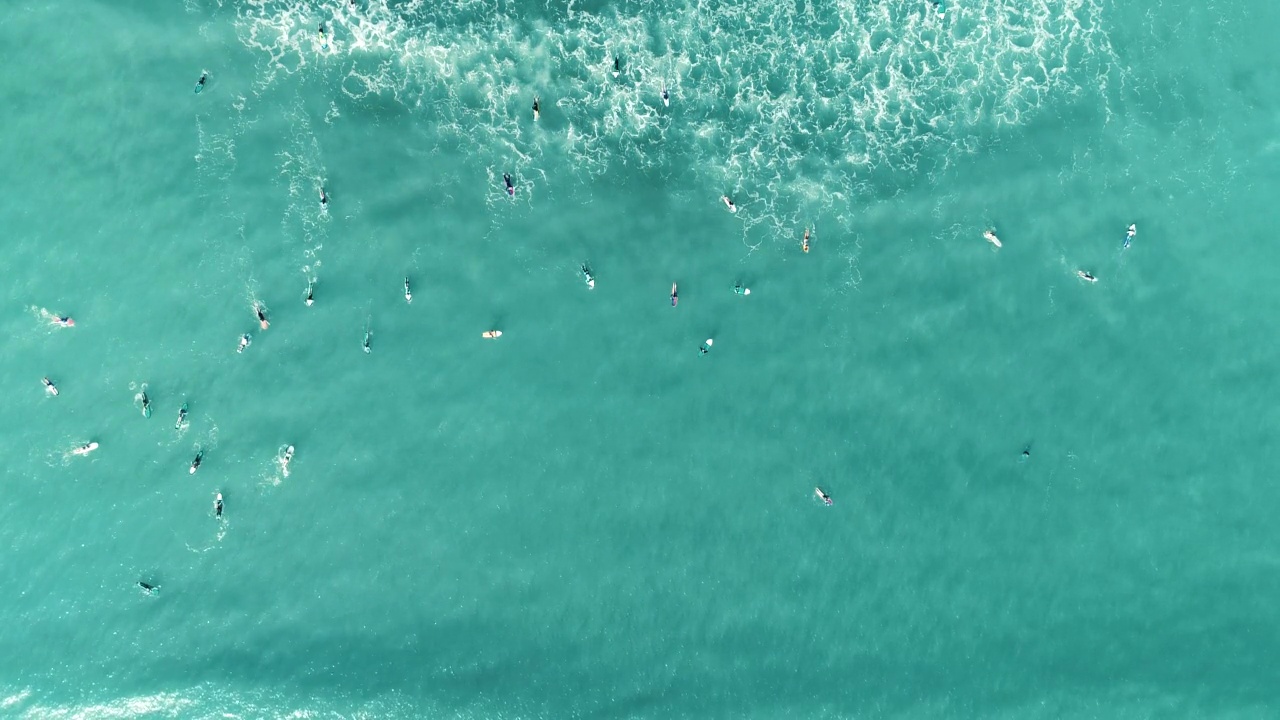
{"x":586,"y":518}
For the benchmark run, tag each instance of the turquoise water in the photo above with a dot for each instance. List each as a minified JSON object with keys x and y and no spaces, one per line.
{"x":585,"y":518}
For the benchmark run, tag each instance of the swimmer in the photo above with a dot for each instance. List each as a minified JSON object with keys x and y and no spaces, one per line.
{"x":284,"y":460}
{"x":666,"y":97}
{"x":310,"y":299}
{"x":739,"y":289}
{"x":49,"y":387}
{"x":729,"y":203}
{"x":200,"y":82}
{"x":63,"y":321}
{"x":1026,"y":453}
{"x":511,"y":187}
{"x":491,"y":334}
{"x":1129,"y":234}
{"x":674,"y":297}
{"x":826,"y":499}
{"x":195,"y":464}
{"x":990,"y":235}
{"x":85,"y":449}
{"x":706,"y":347}
{"x":262,"y":315}
{"x":146,"y":405}
{"x":537,"y":109}
{"x":368,"y":337}
{"x":182,"y":417}
{"x":1086,"y":276}
{"x":148,"y":588}
{"x":217,"y":505}
{"x":804,"y":244}
{"x":591,"y":279}
{"x":617,"y":66}
{"x":408,"y":295}
{"x":244,"y":343}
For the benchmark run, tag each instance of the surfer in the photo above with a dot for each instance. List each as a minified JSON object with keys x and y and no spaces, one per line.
{"x":674,"y":297}
{"x":49,"y":386}
{"x":990,"y":235}
{"x":311,"y":295}
{"x":201,"y":81}
{"x":244,"y":342}
{"x":739,"y":289}
{"x":1129,"y":234}
{"x":146,"y":405}
{"x":591,"y":279}
{"x":826,"y":499}
{"x":85,"y":449}
{"x":195,"y":464}
{"x":491,"y":334}
{"x":666,"y":97}
{"x":408,"y":295}
{"x":182,"y":417}
{"x":1086,"y":276}
{"x":284,"y":460}
{"x":537,"y":109}
{"x":63,"y":321}
{"x":511,"y":187}
{"x":804,"y":244}
{"x":217,"y":505}
{"x":1026,"y":452}
{"x":324,"y":199}
{"x":148,"y":588}
{"x":368,"y":337}
{"x":617,"y":66}
{"x":729,"y":203}
{"x":706,"y":347}
{"x":324,"y":40}
{"x":262,"y":315}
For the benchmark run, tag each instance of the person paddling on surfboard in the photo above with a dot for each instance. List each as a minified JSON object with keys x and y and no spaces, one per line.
{"x":195,"y":464}
{"x":182,"y":417}
{"x":285,"y":460}
{"x":408,"y":295}
{"x":217,"y":505}
{"x":49,"y":387}
{"x":706,"y":347}
{"x":617,"y":66}
{"x":804,"y":244}
{"x":311,"y":295}
{"x":591,"y":279}
{"x":201,"y":81}
{"x":1083,"y":275}
{"x":85,"y":449}
{"x":826,"y":499}
{"x":146,"y":405}
{"x":537,"y":109}
{"x":674,"y":297}
{"x":1129,"y":235}
{"x":262,"y":315}
{"x":324,"y":199}
{"x":244,"y":343}
{"x":729,"y":203}
{"x":990,"y":235}
{"x":324,"y":39}
{"x":148,"y":588}
{"x":511,"y":187}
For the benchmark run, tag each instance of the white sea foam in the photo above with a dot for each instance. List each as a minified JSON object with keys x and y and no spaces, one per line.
{"x":782,"y":106}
